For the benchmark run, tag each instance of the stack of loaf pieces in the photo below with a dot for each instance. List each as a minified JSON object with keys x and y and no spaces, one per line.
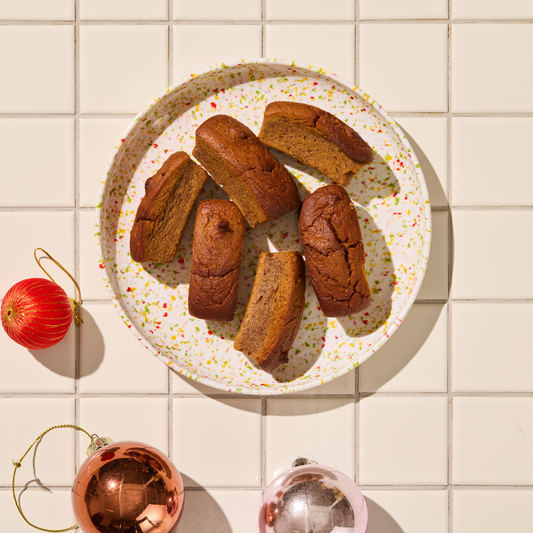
{"x":261,"y":189}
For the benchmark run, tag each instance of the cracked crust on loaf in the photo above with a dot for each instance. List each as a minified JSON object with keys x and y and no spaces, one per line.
{"x":251,"y":176}
{"x":163,"y":212}
{"x":334,"y":251}
{"x":216,"y":260}
{"x":316,"y":138}
{"x":275,"y":309}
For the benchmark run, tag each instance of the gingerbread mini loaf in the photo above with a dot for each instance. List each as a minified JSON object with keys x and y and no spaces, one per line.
{"x":216,"y":260}
{"x":251,"y":176}
{"x":334,"y":251}
{"x":275,"y":309}
{"x":163,"y":212}
{"x":316,"y":138}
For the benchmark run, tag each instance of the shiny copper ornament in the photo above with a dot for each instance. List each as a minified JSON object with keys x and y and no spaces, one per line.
{"x":312,"y":498}
{"x":127,"y":487}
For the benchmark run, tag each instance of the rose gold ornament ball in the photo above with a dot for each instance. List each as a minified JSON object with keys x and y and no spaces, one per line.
{"x":127,"y":487}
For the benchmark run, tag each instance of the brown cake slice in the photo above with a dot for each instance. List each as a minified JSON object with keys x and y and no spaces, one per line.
{"x":216,"y":260}
{"x":334,"y":251}
{"x":275,"y":309}
{"x":165,"y":208}
{"x":316,"y":138}
{"x":251,"y":176}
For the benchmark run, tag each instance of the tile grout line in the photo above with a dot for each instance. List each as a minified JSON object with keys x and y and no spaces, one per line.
{"x":263,"y":28}
{"x":450,"y":259}
{"x":357,"y":44}
{"x":77,"y":223}
{"x":206,"y":22}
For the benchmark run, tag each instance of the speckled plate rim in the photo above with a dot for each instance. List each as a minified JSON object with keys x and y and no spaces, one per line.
{"x":386,"y":334}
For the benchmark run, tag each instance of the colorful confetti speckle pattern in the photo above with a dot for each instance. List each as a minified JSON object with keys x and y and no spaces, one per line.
{"x":390,"y":197}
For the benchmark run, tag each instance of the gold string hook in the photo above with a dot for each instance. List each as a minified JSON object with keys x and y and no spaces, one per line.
{"x":18,"y":464}
{"x":76,"y":304}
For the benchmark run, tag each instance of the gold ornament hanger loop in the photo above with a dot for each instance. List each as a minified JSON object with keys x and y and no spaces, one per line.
{"x":18,"y":464}
{"x":76,"y":304}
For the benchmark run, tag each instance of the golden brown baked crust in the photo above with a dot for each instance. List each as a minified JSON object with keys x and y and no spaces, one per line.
{"x":334,"y":251}
{"x":275,"y":309}
{"x":317,"y":138}
{"x":165,"y":208}
{"x":216,"y":260}
{"x":252,"y":177}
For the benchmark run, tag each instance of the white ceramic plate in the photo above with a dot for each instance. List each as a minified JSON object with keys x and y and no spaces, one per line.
{"x":392,"y":205}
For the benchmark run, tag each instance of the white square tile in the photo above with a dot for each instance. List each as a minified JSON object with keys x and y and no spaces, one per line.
{"x":91,"y":279}
{"x":480,"y":50}
{"x":37,"y":10}
{"x":480,"y":180}
{"x":429,"y":139}
{"x":492,"y":440}
{"x":233,"y":43}
{"x":26,"y":419}
{"x":137,"y":419}
{"x":490,"y":351}
{"x":406,"y":9}
{"x":410,"y":511}
{"x":52,"y":231}
{"x":98,"y":139}
{"x":403,"y":441}
{"x":232,"y":511}
{"x":122,"y":68}
{"x":310,"y":10}
{"x":491,"y":251}
{"x":215,"y":10}
{"x":218,"y":442}
{"x":112,"y":359}
{"x":420,"y":85}
{"x":38,"y":71}
{"x":435,"y":283}
{"x":492,"y":511}
{"x":37,"y":162}
{"x":44,"y":508}
{"x":49,"y":370}
{"x":491,"y":9}
{"x":124,"y":9}
{"x":414,"y":359}
{"x":329,"y":46}
{"x":321,"y":429}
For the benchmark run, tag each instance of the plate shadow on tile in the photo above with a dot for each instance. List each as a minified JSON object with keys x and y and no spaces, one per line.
{"x":379,"y":521}
{"x":420,"y":335}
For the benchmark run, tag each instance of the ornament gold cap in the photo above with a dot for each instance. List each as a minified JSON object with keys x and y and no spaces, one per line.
{"x":97,"y":443}
{"x":302,"y":461}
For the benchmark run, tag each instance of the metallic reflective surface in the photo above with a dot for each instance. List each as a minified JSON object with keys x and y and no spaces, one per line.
{"x":127,"y":487}
{"x":313,"y":499}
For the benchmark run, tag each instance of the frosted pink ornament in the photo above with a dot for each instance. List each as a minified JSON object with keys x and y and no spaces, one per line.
{"x":312,"y":498}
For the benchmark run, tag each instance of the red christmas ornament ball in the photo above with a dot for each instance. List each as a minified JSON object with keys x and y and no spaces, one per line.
{"x":36,"y":313}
